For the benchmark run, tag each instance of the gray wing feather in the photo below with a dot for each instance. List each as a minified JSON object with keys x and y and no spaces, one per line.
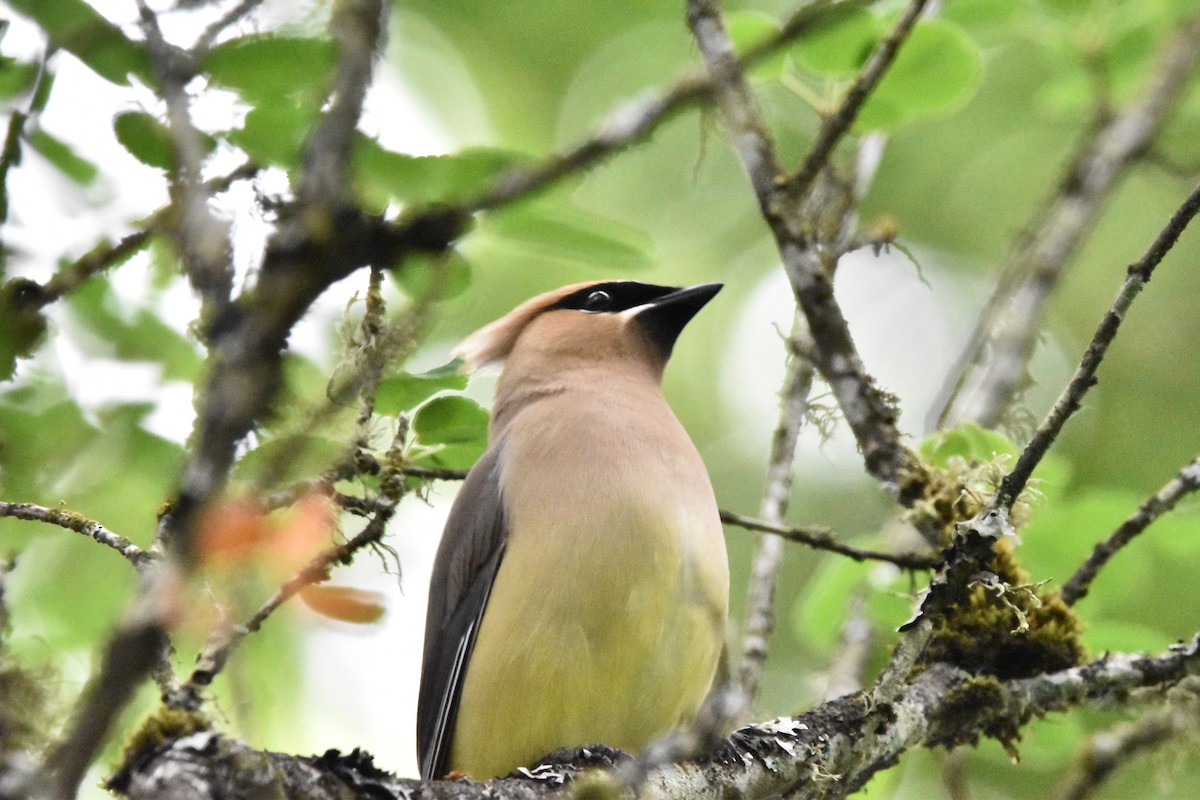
{"x":468,"y":557}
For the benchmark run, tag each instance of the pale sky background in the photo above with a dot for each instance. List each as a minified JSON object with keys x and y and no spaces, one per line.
{"x":360,"y":682}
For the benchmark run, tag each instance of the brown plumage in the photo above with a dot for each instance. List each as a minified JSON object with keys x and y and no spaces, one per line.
{"x":581,"y":587}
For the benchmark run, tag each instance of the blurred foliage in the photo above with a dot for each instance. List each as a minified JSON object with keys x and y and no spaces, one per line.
{"x":981,"y":110}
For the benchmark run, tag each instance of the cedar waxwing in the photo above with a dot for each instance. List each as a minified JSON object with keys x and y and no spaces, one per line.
{"x":581,"y":587}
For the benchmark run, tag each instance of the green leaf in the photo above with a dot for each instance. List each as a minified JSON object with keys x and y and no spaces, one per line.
{"x":148,"y":140}
{"x":16,"y":77}
{"x":968,"y":441}
{"x":383,"y":176}
{"x":274,"y":133}
{"x":820,"y":610}
{"x":839,"y":49}
{"x":936,"y":71}
{"x":451,"y":420}
{"x":433,"y":276}
{"x":267,"y":66}
{"x":568,"y":234}
{"x":453,"y":456}
{"x":289,"y":458}
{"x":78,"y":28}
{"x":405,"y":391}
{"x":60,"y":154}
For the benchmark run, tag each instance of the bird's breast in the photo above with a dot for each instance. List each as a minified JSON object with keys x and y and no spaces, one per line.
{"x":606,"y":618}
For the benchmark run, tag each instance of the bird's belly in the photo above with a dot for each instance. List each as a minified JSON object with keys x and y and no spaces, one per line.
{"x":597,"y":646}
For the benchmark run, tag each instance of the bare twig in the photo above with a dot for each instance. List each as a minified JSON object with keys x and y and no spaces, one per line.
{"x":768,"y":552}
{"x":202,"y":240}
{"x":205,"y":40}
{"x":845,"y":674}
{"x":435,"y":473}
{"x":837,"y":124}
{"x":820,"y":538}
{"x":812,"y":231}
{"x":80,"y":524}
{"x":1085,"y":374}
{"x":1107,"y":751}
{"x":105,"y":256}
{"x":1186,"y":481}
{"x":635,"y":120}
{"x":991,"y":369}
{"x":224,"y":641}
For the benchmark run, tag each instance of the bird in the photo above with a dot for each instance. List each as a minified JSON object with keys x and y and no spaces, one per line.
{"x":580,"y":590}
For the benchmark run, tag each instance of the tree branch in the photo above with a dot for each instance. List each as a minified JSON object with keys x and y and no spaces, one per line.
{"x":1186,"y":481}
{"x":1084,"y":378}
{"x":811,"y":232}
{"x":821,"y":539}
{"x":992,"y":367}
{"x":837,"y":124}
{"x":768,"y":553}
{"x":830,"y":751}
{"x":1107,"y":751}
{"x":70,"y":520}
{"x":202,"y":241}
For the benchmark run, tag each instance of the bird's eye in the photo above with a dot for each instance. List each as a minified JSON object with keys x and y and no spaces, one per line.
{"x":597,"y":301}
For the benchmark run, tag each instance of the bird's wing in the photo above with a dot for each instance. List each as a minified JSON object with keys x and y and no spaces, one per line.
{"x":467,"y":560}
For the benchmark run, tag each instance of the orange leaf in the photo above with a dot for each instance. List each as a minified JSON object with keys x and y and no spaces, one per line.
{"x":304,"y":531}
{"x":344,"y":603}
{"x":230,"y":530}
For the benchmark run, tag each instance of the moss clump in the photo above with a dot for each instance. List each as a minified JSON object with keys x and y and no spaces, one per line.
{"x":974,"y":708}
{"x":24,"y":699}
{"x":1007,"y":627}
{"x":162,"y":727}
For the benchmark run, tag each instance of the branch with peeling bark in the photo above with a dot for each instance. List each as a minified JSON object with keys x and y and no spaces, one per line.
{"x":828,"y":752}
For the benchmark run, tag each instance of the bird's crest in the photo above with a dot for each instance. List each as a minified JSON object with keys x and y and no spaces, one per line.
{"x":492,"y":343}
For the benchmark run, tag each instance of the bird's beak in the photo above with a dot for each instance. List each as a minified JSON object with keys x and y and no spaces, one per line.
{"x":663,"y":319}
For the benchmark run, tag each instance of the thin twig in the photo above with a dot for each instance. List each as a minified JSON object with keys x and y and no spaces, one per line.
{"x":80,"y":524}
{"x":105,"y":256}
{"x":992,"y":367}
{"x":10,"y":156}
{"x":635,"y":120}
{"x":768,"y":552}
{"x":1186,"y":481}
{"x":221,"y":646}
{"x":1107,"y":751}
{"x":1085,"y":374}
{"x":820,"y":538}
{"x":837,"y":124}
{"x":848,"y":668}
{"x":435,"y":473}
{"x":204,"y":41}
{"x":202,"y":240}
